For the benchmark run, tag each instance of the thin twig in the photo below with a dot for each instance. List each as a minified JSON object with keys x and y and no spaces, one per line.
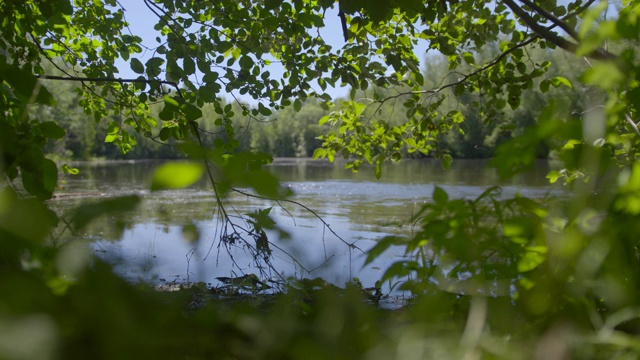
{"x":117,"y":80}
{"x":326,"y":224}
{"x":632,"y":123}
{"x":467,"y":76}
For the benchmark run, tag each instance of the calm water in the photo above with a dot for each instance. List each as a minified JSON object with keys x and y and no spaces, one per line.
{"x":148,"y":244}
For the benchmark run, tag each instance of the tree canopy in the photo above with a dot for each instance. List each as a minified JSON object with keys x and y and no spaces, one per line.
{"x":564,"y":273}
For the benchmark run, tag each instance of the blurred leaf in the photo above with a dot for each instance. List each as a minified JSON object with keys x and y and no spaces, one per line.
{"x":190,"y":233}
{"x":18,"y":220}
{"x":533,"y":257}
{"x":381,"y":246}
{"x":66,"y":169}
{"x":42,"y":179}
{"x":25,"y":85}
{"x":446,"y":161}
{"x":50,"y":130}
{"x":399,"y":269}
{"x":176,"y":175}
{"x":604,"y":74}
{"x":440,"y":196}
{"x":245,"y":169}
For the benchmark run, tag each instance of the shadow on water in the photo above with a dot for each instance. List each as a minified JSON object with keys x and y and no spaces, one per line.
{"x":150,"y":244}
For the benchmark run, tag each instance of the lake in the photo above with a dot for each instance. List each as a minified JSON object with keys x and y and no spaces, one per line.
{"x":151,"y":244}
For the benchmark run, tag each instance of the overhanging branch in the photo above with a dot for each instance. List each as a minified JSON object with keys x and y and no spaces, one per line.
{"x":547,"y":34}
{"x":467,"y":76}
{"x":549,"y":16}
{"x":112,"y":80}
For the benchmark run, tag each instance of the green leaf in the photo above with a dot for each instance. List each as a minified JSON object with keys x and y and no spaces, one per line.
{"x":190,"y":233}
{"x":137,"y":66}
{"x":534,"y":256}
{"x":446,"y":161}
{"x":51,"y":130}
{"x":323,"y":119}
{"x":553,"y":176}
{"x":176,"y":175}
{"x":381,"y":246}
{"x":223,"y":46}
{"x":66,"y":169}
{"x":590,"y":17}
{"x":468,"y":58}
{"x":399,"y":269}
{"x":169,"y":101}
{"x":265,"y":111}
{"x":297,"y":105}
{"x":544,"y":85}
{"x":605,"y":74}
{"x":319,"y":153}
{"x":191,"y":112}
{"x":167,"y":113}
{"x":164,"y":134}
{"x":25,"y":86}
{"x":153,"y":66}
{"x":23,"y":221}
{"x":171,"y":105}
{"x":64,"y":6}
{"x":189,"y":66}
{"x":207,"y":93}
{"x":440,"y":196}
{"x":41,"y":181}
{"x":203,"y":65}
{"x":559,"y":80}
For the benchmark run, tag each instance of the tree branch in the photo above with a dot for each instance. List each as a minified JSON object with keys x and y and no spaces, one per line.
{"x":343,"y":21}
{"x":467,"y":76}
{"x":549,"y":16}
{"x":146,"y":81}
{"x":552,"y":37}
{"x":351,"y":245}
{"x":497,"y":59}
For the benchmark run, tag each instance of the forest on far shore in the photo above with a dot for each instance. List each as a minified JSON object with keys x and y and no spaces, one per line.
{"x":287,"y":133}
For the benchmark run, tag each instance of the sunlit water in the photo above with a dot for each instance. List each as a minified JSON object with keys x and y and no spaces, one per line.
{"x":149,"y":245}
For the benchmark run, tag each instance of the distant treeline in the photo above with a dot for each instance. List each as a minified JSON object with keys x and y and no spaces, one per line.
{"x":288,"y":133}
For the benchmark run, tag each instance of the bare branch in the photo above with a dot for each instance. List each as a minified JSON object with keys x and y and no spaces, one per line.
{"x":351,"y":245}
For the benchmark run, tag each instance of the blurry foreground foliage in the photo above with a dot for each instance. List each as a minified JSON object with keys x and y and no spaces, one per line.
{"x":489,"y":277}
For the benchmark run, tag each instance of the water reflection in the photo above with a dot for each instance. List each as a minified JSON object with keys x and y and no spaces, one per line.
{"x":358,"y":208}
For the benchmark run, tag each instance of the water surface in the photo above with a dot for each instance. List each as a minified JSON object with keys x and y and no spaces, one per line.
{"x":149,"y":244}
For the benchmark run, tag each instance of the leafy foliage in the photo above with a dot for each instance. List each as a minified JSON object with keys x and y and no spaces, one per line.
{"x":557,"y":272}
